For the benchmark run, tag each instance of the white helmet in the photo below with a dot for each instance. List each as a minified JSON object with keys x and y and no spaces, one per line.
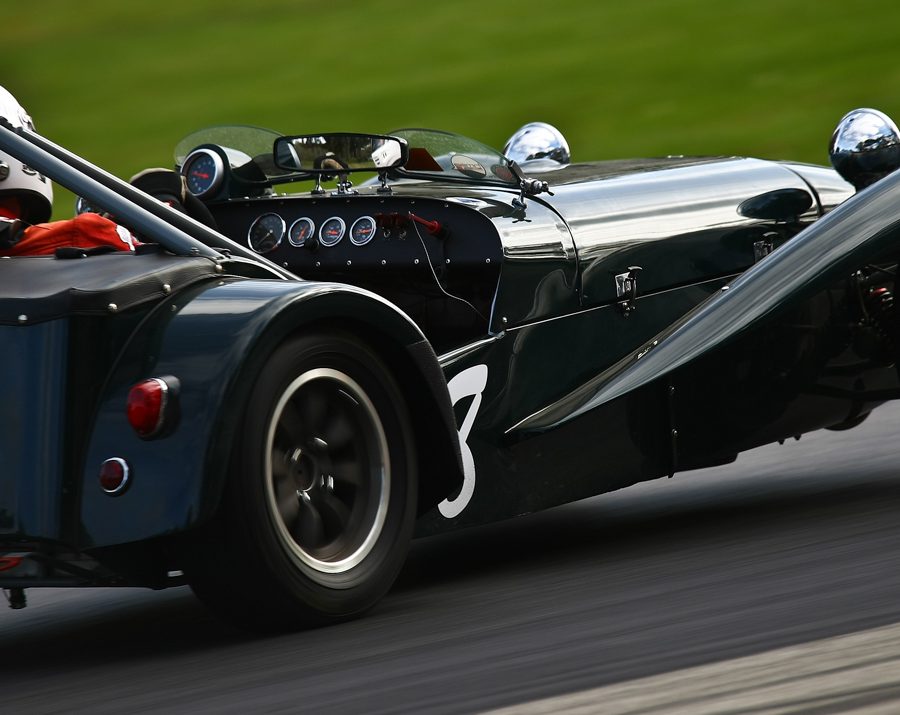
{"x":32,"y":189}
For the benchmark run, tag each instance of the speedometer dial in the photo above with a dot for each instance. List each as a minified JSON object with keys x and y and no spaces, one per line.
{"x":332,"y":231}
{"x":266,"y":233}
{"x":363,"y":230}
{"x":203,"y":171}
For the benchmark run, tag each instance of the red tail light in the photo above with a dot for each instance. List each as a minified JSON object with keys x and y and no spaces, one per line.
{"x":147,"y":406}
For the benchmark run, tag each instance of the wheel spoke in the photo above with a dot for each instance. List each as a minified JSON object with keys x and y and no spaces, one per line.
{"x":313,"y":406}
{"x":290,"y":429}
{"x":280,"y":471}
{"x":333,"y":511}
{"x":285,"y":488}
{"x":308,"y":530}
{"x":340,"y":429}
{"x":346,"y":468}
{"x":289,"y":508}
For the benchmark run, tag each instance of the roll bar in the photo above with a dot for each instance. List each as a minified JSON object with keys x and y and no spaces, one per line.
{"x":175,"y":231}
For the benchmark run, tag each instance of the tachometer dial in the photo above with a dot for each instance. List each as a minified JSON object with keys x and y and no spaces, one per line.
{"x":363,"y":230}
{"x":332,"y":231}
{"x":301,"y":230}
{"x":266,"y":233}
{"x":204,"y":171}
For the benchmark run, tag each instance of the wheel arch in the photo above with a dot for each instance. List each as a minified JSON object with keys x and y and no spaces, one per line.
{"x":407,"y":354}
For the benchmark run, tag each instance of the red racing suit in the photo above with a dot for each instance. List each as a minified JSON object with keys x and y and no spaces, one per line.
{"x":87,"y":230}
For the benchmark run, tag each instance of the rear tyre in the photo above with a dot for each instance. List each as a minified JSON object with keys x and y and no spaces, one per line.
{"x":320,"y":500}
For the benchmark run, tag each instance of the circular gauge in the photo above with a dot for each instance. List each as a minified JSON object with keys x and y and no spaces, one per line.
{"x":363,"y":230}
{"x":332,"y":231}
{"x":265,"y":233}
{"x":301,"y":230}
{"x":203,"y":171}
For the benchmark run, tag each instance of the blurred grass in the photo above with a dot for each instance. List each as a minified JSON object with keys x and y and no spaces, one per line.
{"x":121,"y":83}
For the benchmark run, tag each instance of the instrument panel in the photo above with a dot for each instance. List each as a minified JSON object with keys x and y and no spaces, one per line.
{"x":357,"y":233}
{"x":268,"y":230}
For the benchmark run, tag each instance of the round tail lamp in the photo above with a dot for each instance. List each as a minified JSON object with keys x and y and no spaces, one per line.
{"x":150,"y":406}
{"x":115,"y":476}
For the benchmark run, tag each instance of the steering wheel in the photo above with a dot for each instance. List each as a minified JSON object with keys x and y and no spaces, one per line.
{"x":169,"y":187}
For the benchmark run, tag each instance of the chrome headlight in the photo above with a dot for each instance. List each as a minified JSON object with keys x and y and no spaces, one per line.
{"x":865,"y":147}
{"x":535,"y":141}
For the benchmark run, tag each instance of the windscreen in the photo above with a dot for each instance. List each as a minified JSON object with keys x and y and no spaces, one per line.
{"x":243,"y":145}
{"x":443,"y":155}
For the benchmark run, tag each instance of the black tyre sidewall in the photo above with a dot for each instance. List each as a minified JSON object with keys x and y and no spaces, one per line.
{"x":289,"y":591}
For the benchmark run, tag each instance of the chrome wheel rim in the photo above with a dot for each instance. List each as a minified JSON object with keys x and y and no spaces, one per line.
{"x":327,"y":470}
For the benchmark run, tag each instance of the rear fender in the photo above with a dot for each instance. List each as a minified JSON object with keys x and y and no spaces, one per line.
{"x":214,"y":340}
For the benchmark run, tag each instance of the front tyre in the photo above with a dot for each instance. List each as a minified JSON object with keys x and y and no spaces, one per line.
{"x":320,"y":500}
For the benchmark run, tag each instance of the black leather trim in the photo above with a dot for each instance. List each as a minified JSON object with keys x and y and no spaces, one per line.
{"x":45,"y":287}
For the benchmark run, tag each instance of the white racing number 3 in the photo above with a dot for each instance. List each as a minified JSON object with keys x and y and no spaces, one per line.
{"x":469,"y":383}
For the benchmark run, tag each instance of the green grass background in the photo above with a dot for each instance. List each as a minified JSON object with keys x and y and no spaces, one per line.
{"x":120,"y":83}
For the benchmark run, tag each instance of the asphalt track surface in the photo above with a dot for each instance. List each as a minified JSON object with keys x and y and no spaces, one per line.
{"x":768,"y":585}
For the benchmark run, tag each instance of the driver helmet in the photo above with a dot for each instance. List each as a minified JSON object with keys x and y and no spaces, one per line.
{"x":865,"y":147}
{"x":17,"y":180}
{"x":538,"y":141}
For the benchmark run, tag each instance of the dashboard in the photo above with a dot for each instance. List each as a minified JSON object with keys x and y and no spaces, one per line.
{"x":438,"y":260}
{"x":309,"y":236}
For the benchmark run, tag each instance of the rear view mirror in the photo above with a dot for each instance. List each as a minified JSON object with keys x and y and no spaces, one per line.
{"x":339,"y":153}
